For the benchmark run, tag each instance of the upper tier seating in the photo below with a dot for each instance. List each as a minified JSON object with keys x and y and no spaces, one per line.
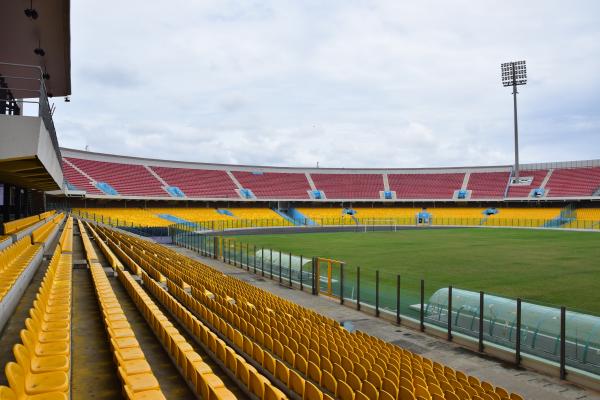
{"x":573,"y":182}
{"x":525,"y":190}
{"x":425,"y":186}
{"x":126,"y":179}
{"x":199,"y":182}
{"x":77,"y":180}
{"x":274,"y":185}
{"x":349,"y":186}
{"x":488,"y":185}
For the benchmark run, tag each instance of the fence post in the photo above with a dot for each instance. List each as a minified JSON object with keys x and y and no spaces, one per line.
{"x":398,"y":299}
{"x":563,"y":342}
{"x":342,"y":283}
{"x":254,"y":254}
{"x":422,"y":310}
{"x":215,"y":247}
{"x":290,"y":270}
{"x":358,"y":288}
{"x":481,"y":315}
{"x":315,"y":290}
{"x":301,"y":284}
{"x":518,"y":337}
{"x":235,"y":253}
{"x":280,"y":277}
{"x":377,"y":293}
{"x":262,"y":261}
{"x":271,"y":264}
{"x":450,"y":312}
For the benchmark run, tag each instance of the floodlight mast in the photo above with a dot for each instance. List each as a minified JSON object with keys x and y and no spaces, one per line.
{"x":516,"y":121}
{"x":513,"y":74}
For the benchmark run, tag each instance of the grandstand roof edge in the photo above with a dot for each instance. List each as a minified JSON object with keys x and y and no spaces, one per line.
{"x":67,"y":152}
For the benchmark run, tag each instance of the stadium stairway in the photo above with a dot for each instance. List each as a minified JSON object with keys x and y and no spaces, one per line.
{"x":162,"y":359}
{"x":94,"y":374}
{"x":171,"y":383}
{"x":285,"y":216}
{"x":175,"y":220}
{"x":296,"y":214}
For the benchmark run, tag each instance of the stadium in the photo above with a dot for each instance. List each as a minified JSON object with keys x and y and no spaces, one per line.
{"x":126,"y":276}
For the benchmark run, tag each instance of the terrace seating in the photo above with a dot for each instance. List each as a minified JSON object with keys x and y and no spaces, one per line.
{"x":425,"y":186}
{"x":327,"y":216}
{"x":256,"y":213}
{"x":135,"y":373}
{"x":349,"y":186}
{"x":313,"y":356}
{"x":522,"y":216}
{"x":77,"y":180}
{"x":126,"y":179}
{"x":13,"y":261}
{"x":274,"y":185}
{"x":488,"y":185}
{"x":18,"y":224}
{"x":204,"y":183}
{"x":45,"y":232}
{"x":192,"y":214}
{"x":122,"y":216}
{"x":43,"y":358}
{"x":573,"y":182}
{"x":525,"y":190}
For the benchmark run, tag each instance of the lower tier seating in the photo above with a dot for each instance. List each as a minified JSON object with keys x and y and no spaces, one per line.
{"x":43,"y":358}
{"x":13,"y":261}
{"x":137,"y":378}
{"x":311,"y":355}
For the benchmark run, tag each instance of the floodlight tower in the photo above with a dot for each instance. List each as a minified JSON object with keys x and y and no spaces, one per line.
{"x":514,"y":73}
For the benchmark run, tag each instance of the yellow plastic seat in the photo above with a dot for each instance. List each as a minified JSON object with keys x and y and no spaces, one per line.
{"x":311,"y":392}
{"x":139,"y":382}
{"x":40,"y":364}
{"x":344,"y":391}
{"x":43,"y":349}
{"x":36,"y":383}
{"x":272,"y":393}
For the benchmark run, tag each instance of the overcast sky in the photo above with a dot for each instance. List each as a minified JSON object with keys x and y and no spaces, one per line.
{"x":346,"y":83}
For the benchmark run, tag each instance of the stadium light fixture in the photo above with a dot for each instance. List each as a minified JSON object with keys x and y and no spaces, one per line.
{"x":514,"y":73}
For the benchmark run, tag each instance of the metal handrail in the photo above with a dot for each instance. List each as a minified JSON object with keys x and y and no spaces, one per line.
{"x":44,"y":109}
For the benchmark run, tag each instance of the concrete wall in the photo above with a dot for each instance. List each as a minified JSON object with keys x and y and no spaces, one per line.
{"x":26,"y":137}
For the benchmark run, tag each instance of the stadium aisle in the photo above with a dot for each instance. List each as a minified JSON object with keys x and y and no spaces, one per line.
{"x":171,"y":382}
{"x":94,"y":372}
{"x":530,"y":384}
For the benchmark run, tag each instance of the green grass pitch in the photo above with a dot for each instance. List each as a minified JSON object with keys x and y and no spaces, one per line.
{"x":544,"y":266}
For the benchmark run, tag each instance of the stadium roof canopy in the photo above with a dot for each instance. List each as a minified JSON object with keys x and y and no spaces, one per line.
{"x":35,"y":63}
{"x":50,"y":31}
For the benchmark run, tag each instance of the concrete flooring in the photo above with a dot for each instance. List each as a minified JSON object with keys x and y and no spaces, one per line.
{"x":530,"y":384}
{"x":94,"y":374}
{"x":170,"y":380}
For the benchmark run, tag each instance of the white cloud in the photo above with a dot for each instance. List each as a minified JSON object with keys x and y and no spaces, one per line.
{"x":345,"y":83}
